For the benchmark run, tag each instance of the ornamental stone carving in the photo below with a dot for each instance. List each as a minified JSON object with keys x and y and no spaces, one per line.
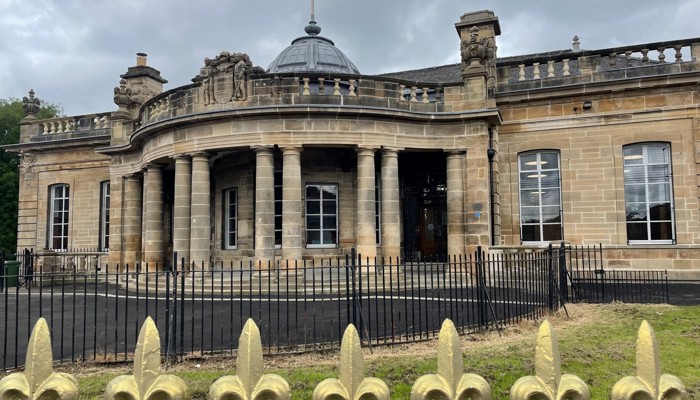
{"x":122,"y":95}
{"x":474,"y":53}
{"x":224,"y":78}
{"x":31,"y":104}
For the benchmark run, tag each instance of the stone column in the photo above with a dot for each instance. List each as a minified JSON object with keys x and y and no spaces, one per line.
{"x":455,"y":203}
{"x":132,"y":209}
{"x":182,"y":210}
{"x":264,"y":206}
{"x":153,"y":233}
{"x":366,"y":211}
{"x":291,"y":206}
{"x":200,"y":217}
{"x":390,"y":210}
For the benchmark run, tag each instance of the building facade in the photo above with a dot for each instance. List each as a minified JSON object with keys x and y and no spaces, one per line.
{"x":309,"y":158}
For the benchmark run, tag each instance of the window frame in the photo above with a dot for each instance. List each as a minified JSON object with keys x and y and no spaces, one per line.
{"x":64,"y":198}
{"x":278,"y":179}
{"x":321,"y":215}
{"x":539,"y":171}
{"x":104,"y":215}
{"x":669,"y":184}
{"x":226,"y":228}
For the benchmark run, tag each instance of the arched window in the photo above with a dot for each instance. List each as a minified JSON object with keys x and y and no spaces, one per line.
{"x":540,"y":196}
{"x":649,"y":193}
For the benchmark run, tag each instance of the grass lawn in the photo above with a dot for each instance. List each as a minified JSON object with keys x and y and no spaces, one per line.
{"x":597,"y":343}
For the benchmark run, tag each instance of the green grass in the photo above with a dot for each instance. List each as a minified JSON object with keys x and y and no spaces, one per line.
{"x":598,"y":345}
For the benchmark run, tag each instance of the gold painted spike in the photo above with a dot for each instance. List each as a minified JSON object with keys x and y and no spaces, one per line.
{"x":450,"y":382}
{"x":649,"y":382}
{"x":147,"y":382}
{"x":352,"y":384}
{"x":548,"y":381}
{"x":38,"y":380}
{"x":250,"y":383}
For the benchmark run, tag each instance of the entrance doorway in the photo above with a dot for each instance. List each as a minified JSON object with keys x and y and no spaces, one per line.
{"x":424,"y":200}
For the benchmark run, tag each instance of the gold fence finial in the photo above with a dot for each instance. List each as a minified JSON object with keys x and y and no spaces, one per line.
{"x":450,"y":382}
{"x":38,"y":381}
{"x":548,"y":381}
{"x":250,"y":383}
{"x":649,"y":382}
{"x":147,"y":381}
{"x":352,"y":384}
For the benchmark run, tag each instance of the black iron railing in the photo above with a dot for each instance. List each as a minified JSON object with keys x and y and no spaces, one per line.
{"x":95,"y":313}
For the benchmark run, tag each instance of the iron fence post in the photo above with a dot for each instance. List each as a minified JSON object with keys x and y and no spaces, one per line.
{"x":480,"y":288}
{"x":550,"y":275}
{"x":563,"y":275}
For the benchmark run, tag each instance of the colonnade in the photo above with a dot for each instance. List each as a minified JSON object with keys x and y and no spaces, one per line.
{"x":143,"y":207}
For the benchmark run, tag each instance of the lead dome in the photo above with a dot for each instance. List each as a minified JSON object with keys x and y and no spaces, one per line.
{"x":312,"y":53}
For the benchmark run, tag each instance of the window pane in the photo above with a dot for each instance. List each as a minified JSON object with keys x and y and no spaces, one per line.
{"x":658,"y":174}
{"x":329,"y":237}
{"x":635,"y":193}
{"x":636,"y":211}
{"x":657,"y":154}
{"x":329,"y":207}
{"x":551,"y":232}
{"x":634,"y":175}
{"x":633,"y":155}
{"x":636,"y":231}
{"x":530,"y":198}
{"x":550,"y":197}
{"x":530,"y":215}
{"x":549,"y":179}
{"x":313,"y":192}
{"x":531,"y":233}
{"x":660,"y":193}
{"x":313,"y":207}
{"x":661,"y":231}
{"x":551,"y":214}
{"x":529,"y":180}
{"x":660,"y":211}
{"x":313,"y":222}
{"x":329,"y":192}
{"x":528,"y":162}
{"x":549,"y":161}
{"x":329,"y":222}
{"x":313,"y":237}
{"x":278,"y":208}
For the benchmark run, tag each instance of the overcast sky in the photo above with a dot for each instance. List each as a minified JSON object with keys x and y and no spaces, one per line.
{"x":71,"y":52}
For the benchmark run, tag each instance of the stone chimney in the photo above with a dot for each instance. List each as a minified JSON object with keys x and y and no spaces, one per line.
{"x":143,"y":81}
{"x":576,"y":45}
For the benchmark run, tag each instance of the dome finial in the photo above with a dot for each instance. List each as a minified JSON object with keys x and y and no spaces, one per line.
{"x":312,"y":29}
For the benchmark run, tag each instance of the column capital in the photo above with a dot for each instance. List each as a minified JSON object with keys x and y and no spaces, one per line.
{"x":389,"y":151}
{"x":135,"y":177}
{"x":366,"y":149}
{"x":150,"y":167}
{"x":181,"y":157}
{"x":263,"y":149}
{"x":455,"y":152}
{"x":291,"y":149}
{"x":199,"y":155}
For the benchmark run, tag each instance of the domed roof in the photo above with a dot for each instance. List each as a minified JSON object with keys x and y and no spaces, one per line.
{"x":312,"y":53}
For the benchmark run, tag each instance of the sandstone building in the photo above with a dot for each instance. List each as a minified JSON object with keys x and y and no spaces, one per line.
{"x":309,"y":158}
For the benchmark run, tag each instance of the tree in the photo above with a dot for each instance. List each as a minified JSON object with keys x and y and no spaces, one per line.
{"x":11,"y":113}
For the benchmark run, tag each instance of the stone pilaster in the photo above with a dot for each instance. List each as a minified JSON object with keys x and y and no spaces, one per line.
{"x":291,"y":205}
{"x":132,"y":209}
{"x":182,"y":209}
{"x":200,"y":218}
{"x":153,"y":235}
{"x":455,"y":203}
{"x":390,"y":208}
{"x":264,"y":206}
{"x":366,"y":212}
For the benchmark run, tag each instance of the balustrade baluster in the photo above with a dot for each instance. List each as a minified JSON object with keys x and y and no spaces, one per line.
{"x":321,"y":86}
{"x":628,"y":58}
{"x":679,"y":55}
{"x":413,"y":94}
{"x":645,"y":56}
{"x":662,"y":56}
{"x":306,"y":87}
{"x":401,"y":90}
{"x":613,"y":59}
{"x":521,"y":72}
{"x":536,"y":71}
{"x":425,"y":95}
{"x":566,"y":67}
{"x":550,"y":69}
{"x":352,"y":88}
{"x":336,"y":87}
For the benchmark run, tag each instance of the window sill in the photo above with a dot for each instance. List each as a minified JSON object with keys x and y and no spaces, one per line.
{"x":321,"y":246}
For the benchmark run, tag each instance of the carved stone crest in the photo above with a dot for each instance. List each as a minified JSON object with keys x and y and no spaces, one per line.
{"x":224,"y":78}
{"x":31,"y":104}
{"x":122,"y":95}
{"x":474,"y":52}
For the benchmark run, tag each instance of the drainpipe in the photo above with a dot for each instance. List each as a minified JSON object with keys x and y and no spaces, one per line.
{"x":491,"y":152}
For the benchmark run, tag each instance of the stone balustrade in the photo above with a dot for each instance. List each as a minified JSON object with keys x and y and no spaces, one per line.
{"x":572,"y":63}
{"x":450,"y":381}
{"x":72,"y":124}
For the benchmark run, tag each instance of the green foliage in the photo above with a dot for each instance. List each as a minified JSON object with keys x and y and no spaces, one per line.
{"x":11,"y":113}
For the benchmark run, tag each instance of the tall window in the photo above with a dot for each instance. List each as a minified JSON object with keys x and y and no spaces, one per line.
{"x":230,"y":218}
{"x":104,"y":215}
{"x":58,"y":216}
{"x":649,"y":193}
{"x":278,"y":208}
{"x":540,"y":196}
{"x":378,"y":209}
{"x":321,"y":215}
